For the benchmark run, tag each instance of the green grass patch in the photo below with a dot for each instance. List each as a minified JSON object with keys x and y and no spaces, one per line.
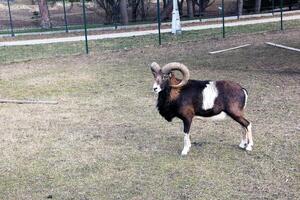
{"x":23,"y":53}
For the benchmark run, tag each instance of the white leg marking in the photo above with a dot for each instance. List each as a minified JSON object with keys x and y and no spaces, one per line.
{"x":187,"y":144}
{"x":244,"y":140}
{"x":249,"y":137}
{"x":243,"y":143}
{"x":209,"y":94}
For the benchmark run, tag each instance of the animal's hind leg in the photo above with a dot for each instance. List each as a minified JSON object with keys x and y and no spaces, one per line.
{"x":249,"y":137}
{"x":247,"y":140}
{"x":244,"y":140}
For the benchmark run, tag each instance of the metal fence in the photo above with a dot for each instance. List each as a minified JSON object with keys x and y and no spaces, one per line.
{"x":68,"y":15}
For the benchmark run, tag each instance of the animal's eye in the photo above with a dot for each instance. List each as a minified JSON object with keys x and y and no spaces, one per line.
{"x":165,"y":77}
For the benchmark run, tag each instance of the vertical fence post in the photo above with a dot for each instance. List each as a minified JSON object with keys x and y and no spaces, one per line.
{"x":115,"y":13}
{"x":65,"y":16}
{"x":237,"y":9}
{"x":158,"y":22}
{"x":10,"y":19}
{"x":281,"y":15}
{"x":223,"y":18}
{"x":273,"y":7}
{"x":85,"y":28}
{"x":200,"y":8}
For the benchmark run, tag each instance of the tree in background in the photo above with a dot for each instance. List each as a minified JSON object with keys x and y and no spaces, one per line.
{"x":167,"y":9}
{"x":44,"y":12}
{"x":138,"y":8}
{"x":117,"y":10}
{"x":113,"y":9}
{"x":123,"y":12}
{"x":191,"y":7}
{"x":110,"y":8}
{"x":240,"y":8}
{"x":257,"y":6}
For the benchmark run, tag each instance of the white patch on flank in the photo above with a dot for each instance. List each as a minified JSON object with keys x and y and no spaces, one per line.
{"x":209,"y":93}
{"x":156,"y":88}
{"x":221,"y":116}
{"x":246,"y":98}
{"x":187,"y":144}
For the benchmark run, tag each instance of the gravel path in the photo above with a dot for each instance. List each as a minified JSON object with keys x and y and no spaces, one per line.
{"x":141,"y":33}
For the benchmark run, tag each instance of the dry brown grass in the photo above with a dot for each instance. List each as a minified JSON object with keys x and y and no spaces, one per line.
{"x":105,"y":139}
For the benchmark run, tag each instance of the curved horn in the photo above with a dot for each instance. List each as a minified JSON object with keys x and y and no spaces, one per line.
{"x":180,"y":67}
{"x":155,"y":67}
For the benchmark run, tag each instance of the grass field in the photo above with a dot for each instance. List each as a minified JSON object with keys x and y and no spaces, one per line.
{"x":105,"y":139}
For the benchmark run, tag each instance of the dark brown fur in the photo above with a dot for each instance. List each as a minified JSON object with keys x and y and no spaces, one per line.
{"x":185,"y":103}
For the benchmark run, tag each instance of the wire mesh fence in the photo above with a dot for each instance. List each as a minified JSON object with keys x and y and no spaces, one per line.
{"x":65,"y":16}
{"x":26,"y":15}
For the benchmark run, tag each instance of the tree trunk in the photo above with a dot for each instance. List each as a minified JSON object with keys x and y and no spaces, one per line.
{"x":123,"y":12}
{"x":143,"y":13}
{"x":194,"y":7}
{"x":190,"y":9}
{"x":240,"y":7}
{"x":110,"y":17}
{"x":180,"y":7}
{"x":165,"y":2}
{"x":257,"y":6}
{"x":167,"y":10}
{"x":134,"y":7}
{"x":201,"y":6}
{"x":45,"y":18}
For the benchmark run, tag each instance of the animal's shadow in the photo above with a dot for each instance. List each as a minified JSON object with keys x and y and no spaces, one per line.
{"x":199,"y":145}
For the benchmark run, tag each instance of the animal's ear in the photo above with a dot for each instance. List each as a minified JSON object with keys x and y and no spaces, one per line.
{"x":156,"y":73}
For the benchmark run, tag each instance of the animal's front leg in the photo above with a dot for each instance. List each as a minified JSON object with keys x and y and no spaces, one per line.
{"x":187,"y":144}
{"x":186,"y":140}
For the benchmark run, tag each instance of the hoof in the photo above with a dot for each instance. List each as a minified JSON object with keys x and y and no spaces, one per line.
{"x":242,"y":145}
{"x":184,"y":152}
{"x":249,"y":148}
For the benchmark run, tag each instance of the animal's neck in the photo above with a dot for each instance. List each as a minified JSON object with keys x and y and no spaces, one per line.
{"x":164,"y":105}
{"x":169,"y":94}
{"x":163,"y":95}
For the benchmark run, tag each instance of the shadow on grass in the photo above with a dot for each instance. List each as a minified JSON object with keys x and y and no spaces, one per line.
{"x":200,"y":145}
